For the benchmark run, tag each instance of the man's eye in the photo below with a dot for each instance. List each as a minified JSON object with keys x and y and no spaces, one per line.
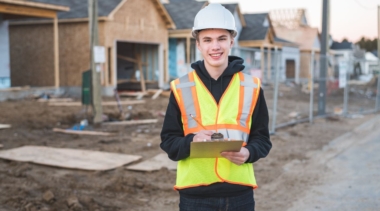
{"x":206,"y":40}
{"x":222,"y":39}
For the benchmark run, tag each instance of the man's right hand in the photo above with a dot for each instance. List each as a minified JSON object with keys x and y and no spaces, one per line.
{"x":203,"y":135}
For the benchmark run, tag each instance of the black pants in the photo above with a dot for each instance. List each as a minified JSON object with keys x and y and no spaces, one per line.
{"x":243,"y":202}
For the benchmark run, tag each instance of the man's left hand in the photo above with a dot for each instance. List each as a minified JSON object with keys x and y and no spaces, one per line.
{"x":237,"y":157}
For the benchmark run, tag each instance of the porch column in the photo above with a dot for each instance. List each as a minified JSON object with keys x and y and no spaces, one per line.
{"x":56,"y":53}
{"x":269,"y":73}
{"x":262,"y":62}
{"x":188,"y":50}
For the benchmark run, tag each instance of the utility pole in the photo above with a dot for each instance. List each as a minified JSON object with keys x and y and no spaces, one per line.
{"x":323,"y":58}
{"x":95,"y":69}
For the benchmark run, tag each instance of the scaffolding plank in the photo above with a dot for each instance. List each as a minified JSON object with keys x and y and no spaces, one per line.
{"x":82,"y":132}
{"x":112,"y":103}
{"x":132,"y":122}
{"x":156,"y":163}
{"x":69,"y":158}
{"x":5,"y":126}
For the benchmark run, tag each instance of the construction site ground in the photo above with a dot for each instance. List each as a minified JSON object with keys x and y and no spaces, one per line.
{"x":288,"y":173}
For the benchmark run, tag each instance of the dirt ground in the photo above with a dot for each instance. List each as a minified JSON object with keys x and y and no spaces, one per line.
{"x":23,"y":186}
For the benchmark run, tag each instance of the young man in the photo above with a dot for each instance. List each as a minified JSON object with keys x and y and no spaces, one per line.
{"x":216,"y":97}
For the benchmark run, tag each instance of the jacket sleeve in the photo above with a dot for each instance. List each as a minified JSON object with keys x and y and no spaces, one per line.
{"x":173,"y":141}
{"x":259,"y":143}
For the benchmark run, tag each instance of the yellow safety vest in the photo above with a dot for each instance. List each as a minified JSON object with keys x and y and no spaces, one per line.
{"x":231,"y":117}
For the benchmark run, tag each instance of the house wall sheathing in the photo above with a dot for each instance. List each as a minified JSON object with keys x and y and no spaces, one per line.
{"x":32,"y":52}
{"x":32,"y":55}
{"x":138,"y":21}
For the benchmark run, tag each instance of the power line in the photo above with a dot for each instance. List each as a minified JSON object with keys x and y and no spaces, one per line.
{"x":364,"y":7}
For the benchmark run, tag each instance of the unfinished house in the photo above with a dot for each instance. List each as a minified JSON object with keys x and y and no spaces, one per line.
{"x":133,"y":32}
{"x":292,"y":25}
{"x":182,"y":46}
{"x":265,"y":50}
{"x":350,"y":54}
{"x":11,"y":10}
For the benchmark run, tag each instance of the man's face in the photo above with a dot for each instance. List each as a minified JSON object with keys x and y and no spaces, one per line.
{"x":215,"y":45}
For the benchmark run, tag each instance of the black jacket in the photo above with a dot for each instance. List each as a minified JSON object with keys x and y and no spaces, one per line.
{"x":177,"y":146}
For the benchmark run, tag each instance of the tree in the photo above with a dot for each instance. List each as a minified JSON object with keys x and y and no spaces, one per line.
{"x":367,"y":44}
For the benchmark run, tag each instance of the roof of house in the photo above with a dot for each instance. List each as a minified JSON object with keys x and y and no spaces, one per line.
{"x":230,"y":7}
{"x":35,"y":4}
{"x":254,"y":29}
{"x":344,"y":45}
{"x":303,"y":36}
{"x":183,"y":12}
{"x":79,"y":8}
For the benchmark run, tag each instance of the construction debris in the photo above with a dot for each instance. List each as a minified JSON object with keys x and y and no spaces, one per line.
{"x":51,"y":100}
{"x":156,"y":163}
{"x":129,"y":102}
{"x":132,"y":122}
{"x":48,"y":197}
{"x":82,"y":132}
{"x":69,"y":158}
{"x":158,"y":92}
{"x":5,"y":126}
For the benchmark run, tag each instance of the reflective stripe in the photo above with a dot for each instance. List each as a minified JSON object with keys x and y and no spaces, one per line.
{"x":248,"y":84}
{"x":234,"y":134}
{"x":185,"y":85}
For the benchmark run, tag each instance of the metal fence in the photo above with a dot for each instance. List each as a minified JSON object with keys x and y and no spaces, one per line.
{"x":292,"y":84}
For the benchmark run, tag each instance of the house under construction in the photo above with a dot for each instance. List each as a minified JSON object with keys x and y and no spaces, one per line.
{"x":133,"y":32}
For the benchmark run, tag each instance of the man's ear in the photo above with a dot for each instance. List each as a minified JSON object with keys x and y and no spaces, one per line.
{"x":232,"y":42}
{"x":197,"y":43}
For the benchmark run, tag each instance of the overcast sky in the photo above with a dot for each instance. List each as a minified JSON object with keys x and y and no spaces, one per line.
{"x":348,"y":18}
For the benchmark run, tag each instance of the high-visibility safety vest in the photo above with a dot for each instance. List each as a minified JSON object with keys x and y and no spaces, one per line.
{"x":232,"y":117}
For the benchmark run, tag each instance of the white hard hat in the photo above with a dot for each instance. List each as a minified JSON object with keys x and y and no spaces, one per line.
{"x":214,"y":16}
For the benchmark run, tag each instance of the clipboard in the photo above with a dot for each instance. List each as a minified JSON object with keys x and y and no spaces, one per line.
{"x":212,"y":149}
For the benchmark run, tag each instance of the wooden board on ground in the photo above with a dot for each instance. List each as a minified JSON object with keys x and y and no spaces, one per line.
{"x":132,"y":122}
{"x":11,"y":89}
{"x":69,"y":158}
{"x":156,"y":94}
{"x":5,"y":126}
{"x":131,"y":94}
{"x":156,"y":163}
{"x":50,"y":100}
{"x":82,"y":132}
{"x":112,"y":103}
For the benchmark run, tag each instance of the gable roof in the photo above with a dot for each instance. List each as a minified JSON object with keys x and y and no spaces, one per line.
{"x":35,"y":4}
{"x":235,"y":7}
{"x":303,"y":36}
{"x":290,"y":18}
{"x":230,"y":7}
{"x":254,"y":29}
{"x":106,"y":9}
{"x":79,"y":8}
{"x":345,"y":45}
{"x":183,"y":12}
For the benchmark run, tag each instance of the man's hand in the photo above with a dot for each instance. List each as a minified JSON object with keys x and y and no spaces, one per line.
{"x":237,"y":157}
{"x":203,"y":135}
